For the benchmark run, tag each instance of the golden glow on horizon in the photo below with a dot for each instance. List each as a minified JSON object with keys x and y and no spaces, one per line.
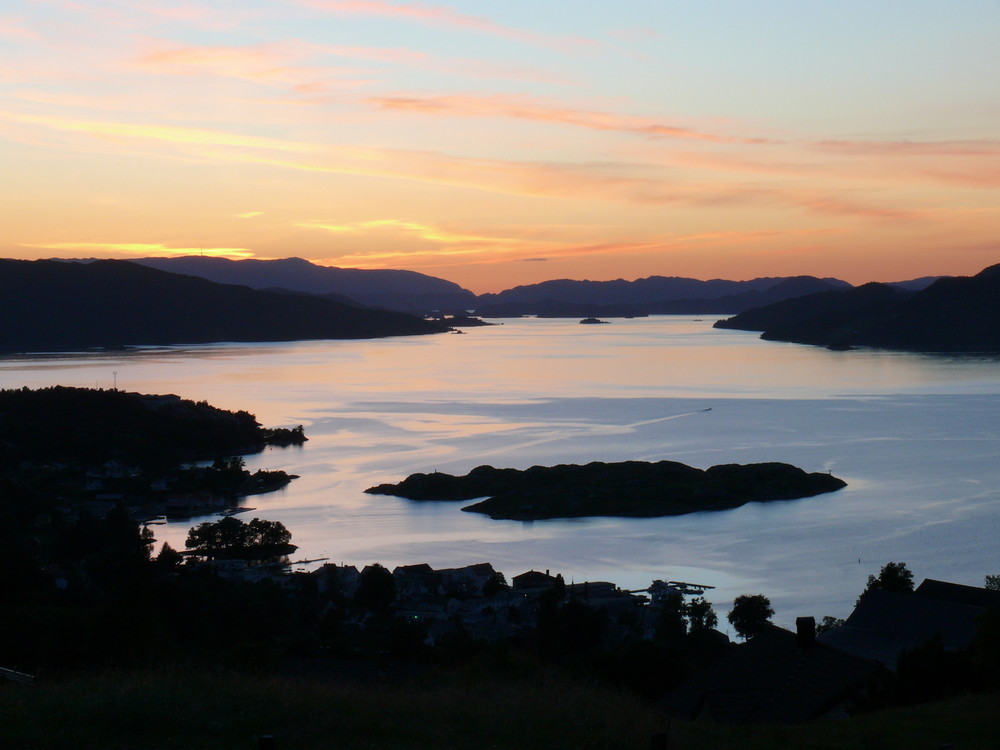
{"x":144,"y":249}
{"x":504,"y":145}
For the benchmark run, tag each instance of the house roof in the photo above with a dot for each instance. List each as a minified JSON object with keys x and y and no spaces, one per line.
{"x":420,"y":569}
{"x":771,"y":678}
{"x":533,"y":578}
{"x":479,"y":569}
{"x":958,"y":593}
{"x":885,"y":623}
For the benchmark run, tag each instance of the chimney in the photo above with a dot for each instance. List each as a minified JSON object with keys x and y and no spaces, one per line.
{"x":805,"y":632}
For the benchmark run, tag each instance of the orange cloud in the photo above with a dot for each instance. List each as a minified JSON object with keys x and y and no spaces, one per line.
{"x":450,"y":246}
{"x":422,"y":231}
{"x":525,"y":109}
{"x":142,"y":249}
{"x":465,"y":249}
{"x":270,"y":64}
{"x":620,"y":182}
{"x":442,"y":16}
{"x":165,"y":133}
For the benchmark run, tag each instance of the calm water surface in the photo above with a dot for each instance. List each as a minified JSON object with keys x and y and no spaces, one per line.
{"x":917,"y":437}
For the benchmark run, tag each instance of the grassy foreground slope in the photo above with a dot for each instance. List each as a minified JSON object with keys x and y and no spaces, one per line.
{"x":223,"y":711}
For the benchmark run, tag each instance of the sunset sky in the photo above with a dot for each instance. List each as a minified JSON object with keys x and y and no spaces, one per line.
{"x":504,"y":143}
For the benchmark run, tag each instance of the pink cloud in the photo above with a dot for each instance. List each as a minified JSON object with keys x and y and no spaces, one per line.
{"x":442,"y":16}
{"x":15,"y":30}
{"x":983,"y":147}
{"x":521,"y":108}
{"x":272,"y":64}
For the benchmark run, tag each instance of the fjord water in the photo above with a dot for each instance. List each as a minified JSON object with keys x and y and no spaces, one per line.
{"x":917,"y":438}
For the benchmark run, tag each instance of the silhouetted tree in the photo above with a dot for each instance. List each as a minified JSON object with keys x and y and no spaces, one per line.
{"x":701,"y":616}
{"x":496,"y":583}
{"x":230,"y":537}
{"x":992,"y":582}
{"x":670,"y":620}
{"x":169,"y":559}
{"x":749,"y":614}
{"x":829,"y":622}
{"x":894,"y":576}
{"x":376,"y":588}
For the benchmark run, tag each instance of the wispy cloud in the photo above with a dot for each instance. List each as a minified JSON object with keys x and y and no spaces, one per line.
{"x":484,"y":248}
{"x":139,"y":14}
{"x":141,"y":249}
{"x":307,"y":67}
{"x":423,"y":231}
{"x":617,"y":182}
{"x":442,"y":16}
{"x":15,"y":30}
{"x":269,"y":64}
{"x":522,"y":108}
{"x":157,"y":133}
{"x":974,"y":148}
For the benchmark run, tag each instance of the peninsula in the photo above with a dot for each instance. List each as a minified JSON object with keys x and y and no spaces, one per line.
{"x":49,"y":305}
{"x":86,"y":449}
{"x":637,"y":489}
{"x":960,"y":314}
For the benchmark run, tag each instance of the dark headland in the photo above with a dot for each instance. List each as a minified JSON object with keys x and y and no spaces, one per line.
{"x":960,"y":314}
{"x":637,"y":489}
{"x":50,"y":305}
{"x":70,"y":448}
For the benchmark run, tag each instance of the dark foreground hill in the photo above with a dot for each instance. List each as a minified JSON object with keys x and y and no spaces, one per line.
{"x":58,"y":306}
{"x":958,"y":314}
{"x":204,"y":709}
{"x":629,"y":488}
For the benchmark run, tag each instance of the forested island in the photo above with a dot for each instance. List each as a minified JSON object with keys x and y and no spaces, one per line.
{"x":629,"y":488}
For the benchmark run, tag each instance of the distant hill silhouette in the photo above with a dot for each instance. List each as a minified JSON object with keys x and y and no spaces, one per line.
{"x":407,"y":291}
{"x":55,"y":306}
{"x":954,"y":314}
{"x":417,"y":293}
{"x":648,"y":296}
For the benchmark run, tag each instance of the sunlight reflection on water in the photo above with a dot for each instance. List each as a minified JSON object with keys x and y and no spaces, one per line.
{"x":916,"y":436}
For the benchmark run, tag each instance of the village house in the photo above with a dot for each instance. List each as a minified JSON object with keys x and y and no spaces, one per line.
{"x":414,"y":581}
{"x":779,"y":676}
{"x":598,"y":594}
{"x":466,"y":581}
{"x":338,"y":580}
{"x":534,"y":582}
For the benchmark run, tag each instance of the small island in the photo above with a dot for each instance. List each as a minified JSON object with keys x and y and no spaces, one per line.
{"x":635,"y":489}
{"x":593,"y":322}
